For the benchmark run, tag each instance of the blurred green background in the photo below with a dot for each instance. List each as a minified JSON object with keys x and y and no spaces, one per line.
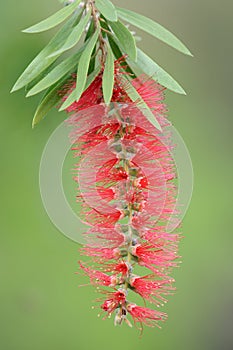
{"x":41,"y":305}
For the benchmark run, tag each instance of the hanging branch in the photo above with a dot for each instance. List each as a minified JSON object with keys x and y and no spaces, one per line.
{"x":126,"y":173}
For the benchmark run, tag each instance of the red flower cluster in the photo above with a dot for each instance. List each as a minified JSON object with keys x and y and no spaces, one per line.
{"x":127,"y":195}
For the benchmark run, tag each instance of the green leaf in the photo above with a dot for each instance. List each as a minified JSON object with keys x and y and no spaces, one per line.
{"x":90,"y":32}
{"x":104,"y":26}
{"x":92,"y":77}
{"x":107,"y":9}
{"x":49,"y":100}
{"x":93,"y":60}
{"x":153,"y":28}
{"x":108,"y":77}
{"x":53,"y":20}
{"x":42,"y":61}
{"x":118,"y":54}
{"x":57,"y":73}
{"x":72,"y":97}
{"x":84,"y":64}
{"x":153,"y":70}
{"x":115,"y":48}
{"x":74,"y":36}
{"x":141,"y":104}
{"x":41,"y":76}
{"x":125,"y":38}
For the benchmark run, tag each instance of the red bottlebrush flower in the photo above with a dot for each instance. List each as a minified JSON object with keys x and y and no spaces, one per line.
{"x":144,"y":315}
{"x":161,"y":239}
{"x":95,"y":210}
{"x":151,"y":289}
{"x":101,"y":253}
{"x":98,"y":277}
{"x":114,"y":301}
{"x":124,"y":180}
{"x":107,"y":194}
{"x":123,"y":268}
{"x":111,"y":173}
{"x":93,"y":95}
{"x":96,"y":217}
{"x":93,"y":136}
{"x":104,"y":237}
{"x":153,"y":258}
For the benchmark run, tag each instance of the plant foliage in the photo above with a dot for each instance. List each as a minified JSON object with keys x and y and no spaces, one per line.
{"x":95,"y":36}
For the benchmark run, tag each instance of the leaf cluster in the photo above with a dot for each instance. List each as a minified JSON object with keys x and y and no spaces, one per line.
{"x":95,"y":34}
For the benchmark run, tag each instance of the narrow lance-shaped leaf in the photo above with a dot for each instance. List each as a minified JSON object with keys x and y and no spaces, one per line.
{"x":125,"y":38}
{"x":116,"y":50}
{"x":51,"y":98}
{"x":72,"y":97}
{"x":90,"y":32}
{"x":53,"y":20}
{"x":107,"y":9}
{"x":152,"y":69}
{"x":42,"y":61}
{"x":41,"y":76}
{"x":74,"y":36}
{"x":93,"y":61}
{"x":57,"y":73}
{"x":118,"y":54}
{"x":84,"y":64}
{"x":108,"y":77}
{"x":153,"y":28}
{"x":135,"y":97}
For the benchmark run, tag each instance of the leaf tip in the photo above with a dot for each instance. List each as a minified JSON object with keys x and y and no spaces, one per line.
{"x":158,"y":126}
{"x":34,"y":121}
{"x":30,"y":93}
{"x":181,"y":91}
{"x":13,"y":89}
{"x":62,"y":108}
{"x":27,"y":31}
{"x":16,"y":86}
{"x":188,"y":52}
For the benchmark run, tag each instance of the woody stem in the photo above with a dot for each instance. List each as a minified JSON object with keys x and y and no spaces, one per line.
{"x":102,"y":48}
{"x":126,"y":167}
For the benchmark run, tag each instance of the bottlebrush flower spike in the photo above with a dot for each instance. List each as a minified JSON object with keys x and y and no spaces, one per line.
{"x":125,"y":173}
